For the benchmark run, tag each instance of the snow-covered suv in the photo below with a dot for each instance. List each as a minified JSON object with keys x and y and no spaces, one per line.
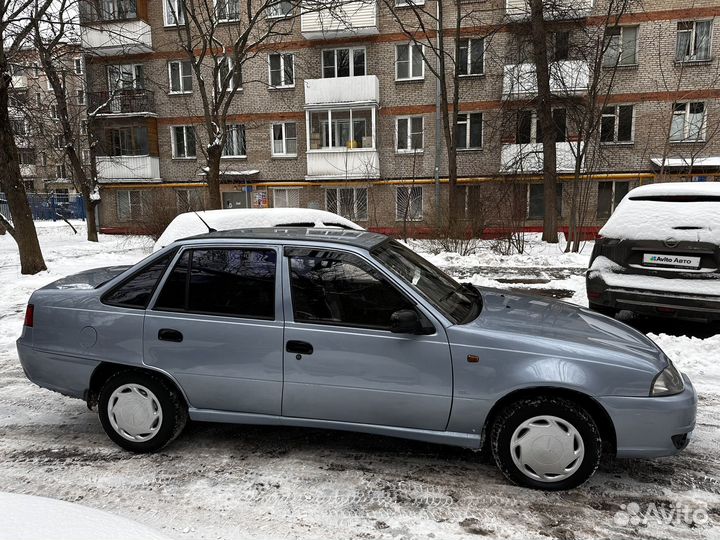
{"x":659,"y":253}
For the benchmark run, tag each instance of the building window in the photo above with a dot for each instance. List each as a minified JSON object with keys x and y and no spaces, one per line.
{"x":286,"y":197}
{"x":60,"y":171}
{"x":27,"y":156}
{"x":409,"y":3}
{"x":62,"y":195}
{"x":345,"y":62}
{"x":234,"y":141}
{"x":189,"y":200}
{"x":54,"y":112}
{"x":617,"y":124}
{"x":280,"y":8}
{"x":693,"y":41}
{"x":20,"y":127}
{"x":529,"y":129}
{"x":688,"y":122}
{"x":469,"y":131}
{"x":181,"y":77}
{"x":229,"y":76}
{"x":408,"y":203}
{"x":29,"y":186}
{"x":79,"y":68}
{"x":126,"y":77}
{"x":80,"y":96}
{"x":621,"y":43}
{"x":183,"y":141}
{"x":59,"y":142}
{"x":129,"y":141}
{"x":409,"y":62}
{"x":227,"y":10}
{"x":560,"y":46}
{"x":282,"y":70}
{"x":471,"y":59}
{"x":174,"y":12}
{"x":536,"y":201}
{"x":284,"y":139}
{"x":43,"y":159}
{"x":409,"y":134}
{"x":342,"y":129}
{"x":111,"y":10}
{"x":350,"y":203}
{"x":609,"y":196}
{"x":129,"y":205}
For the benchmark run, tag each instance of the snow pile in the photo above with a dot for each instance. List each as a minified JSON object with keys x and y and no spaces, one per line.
{"x":694,"y":221}
{"x":29,"y":517}
{"x":694,"y":356}
{"x":189,"y":224}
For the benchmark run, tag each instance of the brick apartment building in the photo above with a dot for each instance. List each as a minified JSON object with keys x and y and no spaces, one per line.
{"x":344,"y":119}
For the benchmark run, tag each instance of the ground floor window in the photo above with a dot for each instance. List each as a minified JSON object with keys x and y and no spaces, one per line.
{"x":350,"y":203}
{"x":286,"y":197}
{"x":609,"y":196}
{"x":536,"y":201}
{"x":129,"y":205}
{"x":409,"y":203}
{"x":189,"y":200}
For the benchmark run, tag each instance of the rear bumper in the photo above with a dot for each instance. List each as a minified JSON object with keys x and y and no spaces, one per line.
{"x":67,"y":375}
{"x":683,"y":305}
{"x":647,"y":427}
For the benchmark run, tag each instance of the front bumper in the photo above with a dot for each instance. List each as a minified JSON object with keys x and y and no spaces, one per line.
{"x":647,"y":427}
{"x":658,"y":303}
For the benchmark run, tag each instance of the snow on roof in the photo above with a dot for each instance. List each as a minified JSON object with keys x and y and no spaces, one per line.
{"x":189,"y":224}
{"x":28,"y":517}
{"x":687,"y":162}
{"x":695,"y":221}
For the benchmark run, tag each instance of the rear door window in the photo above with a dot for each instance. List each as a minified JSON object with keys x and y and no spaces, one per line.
{"x":136,"y":291}
{"x":222,"y":281}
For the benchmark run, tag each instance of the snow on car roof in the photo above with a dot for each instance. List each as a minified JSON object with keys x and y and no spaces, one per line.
{"x":365,"y":239}
{"x":191,"y":223}
{"x":683,"y":211}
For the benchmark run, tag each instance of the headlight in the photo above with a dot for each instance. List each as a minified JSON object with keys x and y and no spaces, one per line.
{"x":667,"y":383}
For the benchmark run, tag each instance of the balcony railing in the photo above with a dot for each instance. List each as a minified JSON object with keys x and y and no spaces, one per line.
{"x":364,"y":89}
{"x":343,"y":164}
{"x":350,"y":18}
{"x":567,"y":78}
{"x":117,"y":38}
{"x":518,"y":10}
{"x":122,"y":102}
{"x":128,"y":168}
{"x":528,"y":158}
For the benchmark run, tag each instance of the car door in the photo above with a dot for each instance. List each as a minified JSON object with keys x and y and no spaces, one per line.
{"x":342,"y":362}
{"x":216,"y":326}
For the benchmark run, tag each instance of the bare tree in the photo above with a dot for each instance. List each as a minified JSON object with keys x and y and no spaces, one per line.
{"x":16,"y":19}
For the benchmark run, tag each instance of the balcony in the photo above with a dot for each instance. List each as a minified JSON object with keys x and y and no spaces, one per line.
{"x":122,"y":103}
{"x":528,"y":158}
{"x":364,"y":89}
{"x":559,"y":10}
{"x":128,"y":168}
{"x":343,"y":164}
{"x":19,"y":82}
{"x":567,"y":78}
{"x":117,"y":37}
{"x":350,"y":18}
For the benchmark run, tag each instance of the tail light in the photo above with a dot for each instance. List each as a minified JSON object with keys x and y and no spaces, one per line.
{"x":29,"y":315}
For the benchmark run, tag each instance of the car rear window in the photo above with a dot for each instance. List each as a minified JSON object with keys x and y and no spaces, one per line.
{"x":135,"y":292}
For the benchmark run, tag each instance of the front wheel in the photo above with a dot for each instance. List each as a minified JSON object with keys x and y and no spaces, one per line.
{"x":140,"y":412}
{"x":546,"y":443}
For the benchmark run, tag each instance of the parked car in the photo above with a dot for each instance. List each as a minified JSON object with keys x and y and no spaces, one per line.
{"x":192,"y":223}
{"x":659,"y":254}
{"x":351,"y":330}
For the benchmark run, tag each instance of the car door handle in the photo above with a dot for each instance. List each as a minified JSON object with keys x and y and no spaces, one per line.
{"x":299,"y":347}
{"x":168,"y":334}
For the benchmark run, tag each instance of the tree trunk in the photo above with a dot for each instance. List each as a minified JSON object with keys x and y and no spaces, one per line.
{"x":213,"y":177}
{"x":23,"y":226}
{"x":545,"y":119}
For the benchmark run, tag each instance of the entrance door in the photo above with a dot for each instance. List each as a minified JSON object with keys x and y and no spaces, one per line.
{"x":236,"y":199}
{"x":342,"y":362}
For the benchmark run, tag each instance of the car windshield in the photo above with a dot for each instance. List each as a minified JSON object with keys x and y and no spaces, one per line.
{"x":460,"y":303}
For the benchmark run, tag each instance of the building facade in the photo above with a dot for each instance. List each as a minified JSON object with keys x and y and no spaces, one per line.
{"x":340,"y":114}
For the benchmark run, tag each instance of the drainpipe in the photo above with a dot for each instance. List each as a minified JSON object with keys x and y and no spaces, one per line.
{"x":437,"y":112}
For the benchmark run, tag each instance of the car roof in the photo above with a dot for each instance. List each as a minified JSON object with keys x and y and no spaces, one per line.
{"x":674,"y":189}
{"x":362,"y":239}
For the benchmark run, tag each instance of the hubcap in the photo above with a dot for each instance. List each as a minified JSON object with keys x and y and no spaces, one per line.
{"x":134,"y":412}
{"x":547,"y":448}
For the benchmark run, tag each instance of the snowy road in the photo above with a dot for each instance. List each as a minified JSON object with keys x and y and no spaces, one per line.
{"x":221,"y":481}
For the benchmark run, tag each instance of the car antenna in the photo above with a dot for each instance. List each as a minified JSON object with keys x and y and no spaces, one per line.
{"x":210,"y":229}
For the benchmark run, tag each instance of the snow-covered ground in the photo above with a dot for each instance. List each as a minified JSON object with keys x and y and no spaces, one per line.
{"x":222,"y":481}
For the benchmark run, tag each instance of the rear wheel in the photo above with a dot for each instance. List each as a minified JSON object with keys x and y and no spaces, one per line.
{"x":140,"y":412}
{"x":603,"y":310}
{"x":546,"y":443}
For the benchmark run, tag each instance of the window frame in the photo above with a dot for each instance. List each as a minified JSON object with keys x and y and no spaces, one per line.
{"x":468,"y":118}
{"x":692,"y":57}
{"x":285,"y":153}
{"x":616,"y":129}
{"x":178,"y":15}
{"x":469,"y":62}
{"x":351,"y":60}
{"x":613,"y":194}
{"x":173,"y":142}
{"x":411,"y":217}
{"x":355,"y":189}
{"x":559,"y":197}
{"x":181,"y":77}
{"x":411,"y":48}
{"x":235,"y":83}
{"x":287,"y":190}
{"x":130,"y":205}
{"x":621,"y":37}
{"x":227,"y":19}
{"x":408,"y":149}
{"x":279,"y":15}
{"x":77,"y":62}
{"x":686,"y":116}
{"x":243,"y":143}
{"x":283,"y":72}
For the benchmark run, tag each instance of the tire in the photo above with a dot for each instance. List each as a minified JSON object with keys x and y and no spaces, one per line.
{"x":560,"y":430}
{"x":604,"y":310}
{"x":140,"y":412}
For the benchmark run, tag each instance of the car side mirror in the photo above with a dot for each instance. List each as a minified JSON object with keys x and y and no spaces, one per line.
{"x":406,"y":321}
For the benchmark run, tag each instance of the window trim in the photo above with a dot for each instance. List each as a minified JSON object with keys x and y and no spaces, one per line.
{"x":282,"y":15}
{"x":117,"y":202}
{"x":173,"y":143}
{"x":351,"y":60}
{"x":226,"y":19}
{"x":244,"y":142}
{"x":282,"y":56}
{"x":287,"y":189}
{"x":685,"y":140}
{"x":179,"y":14}
{"x":285,"y":153}
{"x":693,"y":33}
{"x":411,"y":47}
{"x":559,"y":210}
{"x":613,"y":206}
{"x":619,"y":64}
{"x":182,"y":85}
{"x":469,"y":57}
{"x":616,"y":115}
{"x":469,"y":148}
{"x":409,"y":149}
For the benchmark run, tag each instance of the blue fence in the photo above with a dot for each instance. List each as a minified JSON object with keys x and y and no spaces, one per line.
{"x":50,"y":206}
